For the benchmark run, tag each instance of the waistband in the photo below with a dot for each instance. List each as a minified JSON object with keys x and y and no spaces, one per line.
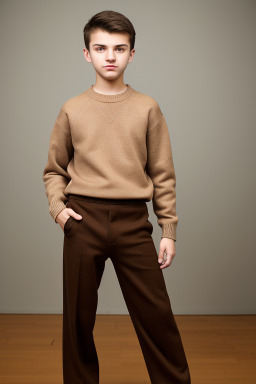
{"x":102,"y":200}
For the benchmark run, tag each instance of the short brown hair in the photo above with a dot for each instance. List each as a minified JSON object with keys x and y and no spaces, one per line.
{"x":109,"y":21}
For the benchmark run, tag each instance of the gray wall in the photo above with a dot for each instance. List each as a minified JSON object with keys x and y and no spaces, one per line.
{"x":198,"y":60}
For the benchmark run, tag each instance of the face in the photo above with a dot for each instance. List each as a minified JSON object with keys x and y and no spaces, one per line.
{"x":109,"y":49}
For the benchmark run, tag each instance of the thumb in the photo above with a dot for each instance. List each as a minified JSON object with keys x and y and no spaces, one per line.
{"x":75,"y":215}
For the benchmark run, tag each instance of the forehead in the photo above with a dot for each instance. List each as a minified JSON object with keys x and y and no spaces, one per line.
{"x":111,"y":39}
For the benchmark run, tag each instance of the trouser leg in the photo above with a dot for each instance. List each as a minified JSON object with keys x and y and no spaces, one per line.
{"x":83,"y":266}
{"x":143,"y":286}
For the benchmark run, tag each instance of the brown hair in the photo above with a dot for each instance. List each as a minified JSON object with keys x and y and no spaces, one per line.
{"x":109,"y":21}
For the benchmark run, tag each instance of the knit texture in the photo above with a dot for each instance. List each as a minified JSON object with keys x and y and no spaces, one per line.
{"x":112,"y":146}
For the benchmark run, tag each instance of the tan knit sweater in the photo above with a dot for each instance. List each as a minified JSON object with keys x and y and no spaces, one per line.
{"x":112,"y":146}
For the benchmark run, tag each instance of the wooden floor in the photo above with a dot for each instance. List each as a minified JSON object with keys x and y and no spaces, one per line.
{"x":219,"y":349}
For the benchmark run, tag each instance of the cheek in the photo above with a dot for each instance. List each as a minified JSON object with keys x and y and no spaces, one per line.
{"x":123,"y":62}
{"x":97,"y":58}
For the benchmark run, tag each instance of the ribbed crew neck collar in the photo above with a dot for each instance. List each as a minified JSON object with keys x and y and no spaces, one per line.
{"x":109,"y":98}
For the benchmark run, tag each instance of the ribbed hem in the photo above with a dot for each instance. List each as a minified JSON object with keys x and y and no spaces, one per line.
{"x":55,"y":209}
{"x":109,"y":98}
{"x":169,"y":231}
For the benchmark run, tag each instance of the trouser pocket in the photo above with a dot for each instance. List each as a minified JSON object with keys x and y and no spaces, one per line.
{"x":68,"y":224}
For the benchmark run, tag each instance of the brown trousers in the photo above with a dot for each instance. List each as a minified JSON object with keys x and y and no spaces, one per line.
{"x":119,"y":230}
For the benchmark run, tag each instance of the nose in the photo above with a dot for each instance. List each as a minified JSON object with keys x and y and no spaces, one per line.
{"x":110,"y":55}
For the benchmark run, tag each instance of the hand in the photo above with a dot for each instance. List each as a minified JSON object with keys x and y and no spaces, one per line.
{"x":168,"y":246}
{"x":65,"y":214}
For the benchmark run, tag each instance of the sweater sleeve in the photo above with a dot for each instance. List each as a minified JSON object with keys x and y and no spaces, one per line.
{"x":55,"y":175}
{"x":160,"y":169}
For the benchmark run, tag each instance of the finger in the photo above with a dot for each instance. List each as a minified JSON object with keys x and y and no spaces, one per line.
{"x":160,"y":256}
{"x":168,"y":261}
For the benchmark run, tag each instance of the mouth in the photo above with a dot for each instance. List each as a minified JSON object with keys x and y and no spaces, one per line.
{"x":110,"y":66}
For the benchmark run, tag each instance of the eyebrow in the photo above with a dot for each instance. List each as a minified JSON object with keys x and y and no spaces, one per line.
{"x":118,"y":45}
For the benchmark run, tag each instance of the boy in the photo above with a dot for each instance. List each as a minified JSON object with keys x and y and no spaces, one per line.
{"x":109,"y":154}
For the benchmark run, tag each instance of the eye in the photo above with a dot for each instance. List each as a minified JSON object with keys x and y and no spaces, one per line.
{"x":122,"y":49}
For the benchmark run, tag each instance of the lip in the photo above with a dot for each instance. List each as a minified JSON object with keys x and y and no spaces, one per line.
{"x":110,"y":66}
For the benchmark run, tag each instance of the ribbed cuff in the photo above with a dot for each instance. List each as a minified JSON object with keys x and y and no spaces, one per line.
{"x":55,"y":209}
{"x":169,"y":231}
